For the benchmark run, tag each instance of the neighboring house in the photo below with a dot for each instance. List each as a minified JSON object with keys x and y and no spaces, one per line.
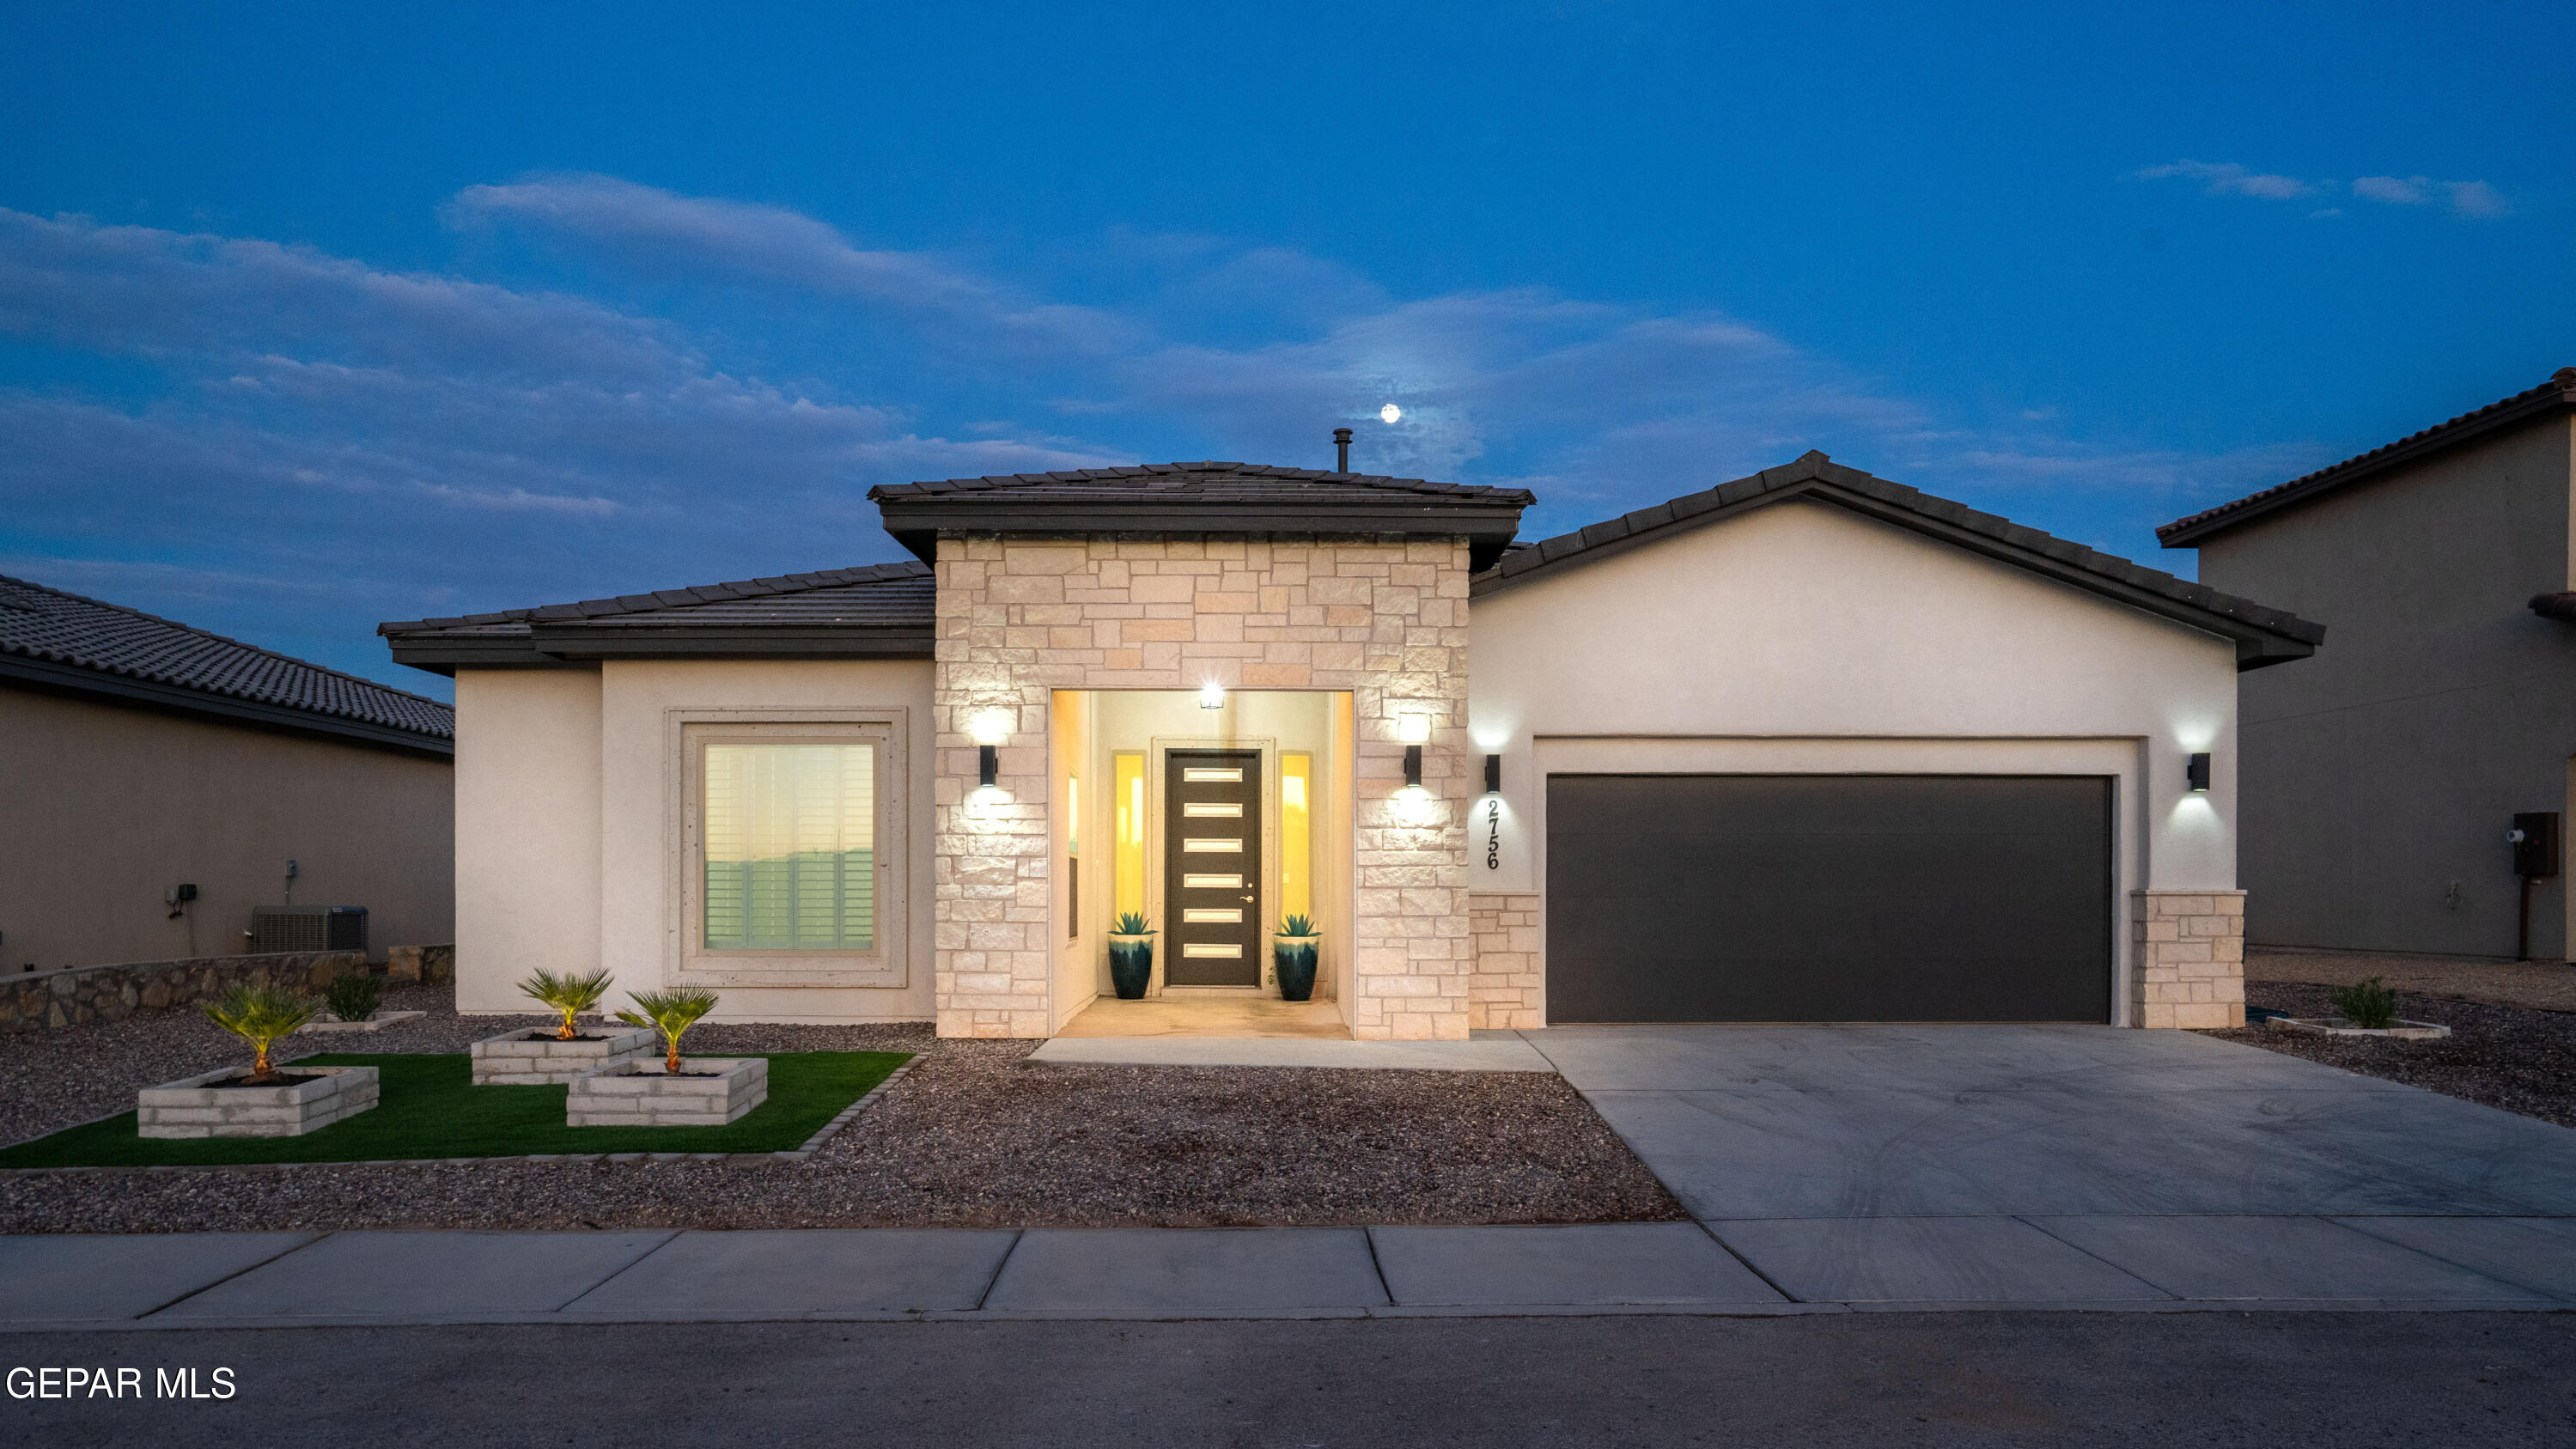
{"x":138,"y":756}
{"x":1810,"y":745}
{"x":2382,"y":779}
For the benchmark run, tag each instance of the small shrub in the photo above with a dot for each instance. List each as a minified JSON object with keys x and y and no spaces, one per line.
{"x":2369,"y":1004}
{"x":571,"y":995}
{"x":1132,"y":924}
{"x":353,"y":998}
{"x":671,"y":1013}
{"x":262,"y":1016}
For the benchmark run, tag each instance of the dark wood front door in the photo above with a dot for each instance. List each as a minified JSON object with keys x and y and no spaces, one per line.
{"x":1212,"y":868}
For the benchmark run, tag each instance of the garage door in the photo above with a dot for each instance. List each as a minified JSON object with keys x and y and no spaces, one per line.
{"x":1828,"y":898}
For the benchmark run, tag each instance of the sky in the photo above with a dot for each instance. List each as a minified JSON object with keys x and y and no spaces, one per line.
{"x":314,"y":316}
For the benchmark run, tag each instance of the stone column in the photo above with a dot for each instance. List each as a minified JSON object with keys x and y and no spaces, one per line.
{"x":2188,"y":958}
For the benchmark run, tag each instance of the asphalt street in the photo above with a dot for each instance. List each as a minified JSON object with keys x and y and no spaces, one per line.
{"x":1984,"y":1378}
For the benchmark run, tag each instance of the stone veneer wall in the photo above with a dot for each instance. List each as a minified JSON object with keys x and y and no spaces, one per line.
{"x":1385,"y":619}
{"x":2189,"y":966}
{"x":79,"y":995}
{"x":1506,"y":990}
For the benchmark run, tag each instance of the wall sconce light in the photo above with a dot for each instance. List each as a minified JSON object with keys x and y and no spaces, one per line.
{"x":1413,"y":767}
{"x":988,"y":766}
{"x":1211,"y":696}
{"x":1493,"y":774}
{"x":2195,"y":772}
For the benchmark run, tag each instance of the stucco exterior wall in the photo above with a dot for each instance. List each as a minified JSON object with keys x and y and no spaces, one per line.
{"x":1802,"y":638}
{"x":2389,"y":766}
{"x":644,"y":705}
{"x":103,"y":807}
{"x":1020,"y":618}
{"x":527,"y":830}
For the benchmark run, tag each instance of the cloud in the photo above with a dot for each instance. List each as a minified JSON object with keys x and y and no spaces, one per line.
{"x":2473,"y":199}
{"x":2226,"y":178}
{"x":315,"y":444}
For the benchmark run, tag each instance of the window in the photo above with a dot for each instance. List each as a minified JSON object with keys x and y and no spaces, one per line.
{"x":790,"y":847}
{"x":1128,"y":886}
{"x":1296,"y":831}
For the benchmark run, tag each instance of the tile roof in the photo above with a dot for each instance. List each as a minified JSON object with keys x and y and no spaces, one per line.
{"x":895,"y":593}
{"x":875,"y":611}
{"x":70,"y":641}
{"x":2556,"y":395}
{"x":1209,"y":499}
{"x":2264,"y":635}
{"x":1209,"y":481}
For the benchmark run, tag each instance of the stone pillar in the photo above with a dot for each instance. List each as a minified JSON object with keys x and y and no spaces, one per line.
{"x":1507,"y":990}
{"x":2188,"y":958}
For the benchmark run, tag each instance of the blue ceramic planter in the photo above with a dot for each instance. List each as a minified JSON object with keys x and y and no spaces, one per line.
{"x":1131,"y":965}
{"x":1294,"y":958}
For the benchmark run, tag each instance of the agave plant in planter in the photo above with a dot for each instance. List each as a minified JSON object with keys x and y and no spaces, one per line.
{"x":1292,"y":956}
{"x":1131,"y":956}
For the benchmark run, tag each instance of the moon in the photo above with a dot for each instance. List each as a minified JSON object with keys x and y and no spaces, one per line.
{"x":1390,"y":413}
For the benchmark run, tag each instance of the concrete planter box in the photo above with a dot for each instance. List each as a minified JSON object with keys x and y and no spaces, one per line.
{"x":196,"y":1107}
{"x":376,"y":1021}
{"x":2337,"y":1026}
{"x":640,"y":1094}
{"x":530,"y":1056}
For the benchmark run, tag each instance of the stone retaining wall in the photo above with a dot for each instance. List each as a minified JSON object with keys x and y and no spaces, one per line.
{"x":432,"y":965}
{"x":81,"y":995}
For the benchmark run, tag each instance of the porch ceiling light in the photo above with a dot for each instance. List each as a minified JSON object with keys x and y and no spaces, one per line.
{"x":1211,"y":695}
{"x":2195,"y":771}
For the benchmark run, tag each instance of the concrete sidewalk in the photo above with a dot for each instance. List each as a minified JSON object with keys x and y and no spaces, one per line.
{"x":1770,"y":1266}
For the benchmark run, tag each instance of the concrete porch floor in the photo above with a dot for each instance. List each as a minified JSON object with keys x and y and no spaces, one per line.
{"x":1229,"y":1016}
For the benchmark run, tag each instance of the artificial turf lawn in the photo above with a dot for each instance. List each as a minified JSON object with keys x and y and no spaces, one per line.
{"x":430,"y":1107}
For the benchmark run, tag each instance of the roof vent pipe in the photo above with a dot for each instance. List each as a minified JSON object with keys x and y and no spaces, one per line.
{"x":1342,"y":450}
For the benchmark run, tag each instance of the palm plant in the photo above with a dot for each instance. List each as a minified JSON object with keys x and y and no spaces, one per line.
{"x":353,"y":998}
{"x":262,"y":1015}
{"x":571,"y":995}
{"x":671,"y":1013}
{"x":1132,"y":923}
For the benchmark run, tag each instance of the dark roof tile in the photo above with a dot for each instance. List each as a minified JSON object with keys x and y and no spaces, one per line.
{"x":41,"y":623}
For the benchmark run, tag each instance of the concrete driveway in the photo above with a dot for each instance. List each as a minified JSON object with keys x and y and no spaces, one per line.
{"x":2044,"y":1163}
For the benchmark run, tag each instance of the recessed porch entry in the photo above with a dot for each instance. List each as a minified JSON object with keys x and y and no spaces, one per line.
{"x":1213,"y":815}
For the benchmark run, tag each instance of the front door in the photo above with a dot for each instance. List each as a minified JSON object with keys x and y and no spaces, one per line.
{"x":1212,"y":867}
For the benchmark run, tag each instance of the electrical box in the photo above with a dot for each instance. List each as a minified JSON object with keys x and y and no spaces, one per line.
{"x":2535,"y":844}
{"x":307,"y":928}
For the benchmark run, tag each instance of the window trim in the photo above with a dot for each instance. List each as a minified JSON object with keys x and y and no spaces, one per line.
{"x":885,"y":964}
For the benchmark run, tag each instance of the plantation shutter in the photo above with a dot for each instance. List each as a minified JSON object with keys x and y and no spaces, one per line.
{"x":790,"y":842}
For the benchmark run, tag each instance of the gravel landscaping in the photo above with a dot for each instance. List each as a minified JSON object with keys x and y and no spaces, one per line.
{"x":2519,"y":1059}
{"x":974,"y":1136}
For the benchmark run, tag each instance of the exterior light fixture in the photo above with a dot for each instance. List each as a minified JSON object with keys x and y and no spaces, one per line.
{"x":988,"y":766}
{"x":2195,"y":772}
{"x":1493,"y":774}
{"x":1413,"y":767}
{"x":1211,"y":696}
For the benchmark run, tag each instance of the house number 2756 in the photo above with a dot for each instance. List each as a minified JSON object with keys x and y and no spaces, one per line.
{"x":1493,"y":835}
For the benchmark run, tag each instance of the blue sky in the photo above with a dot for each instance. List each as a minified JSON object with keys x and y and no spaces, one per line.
{"x":317,"y":315}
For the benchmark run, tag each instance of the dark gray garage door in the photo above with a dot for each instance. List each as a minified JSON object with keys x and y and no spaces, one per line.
{"x":1828,"y":898}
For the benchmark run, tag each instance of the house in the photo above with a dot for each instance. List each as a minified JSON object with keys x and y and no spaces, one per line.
{"x":1810,"y":745}
{"x":2383,"y":779}
{"x":161,"y":782}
